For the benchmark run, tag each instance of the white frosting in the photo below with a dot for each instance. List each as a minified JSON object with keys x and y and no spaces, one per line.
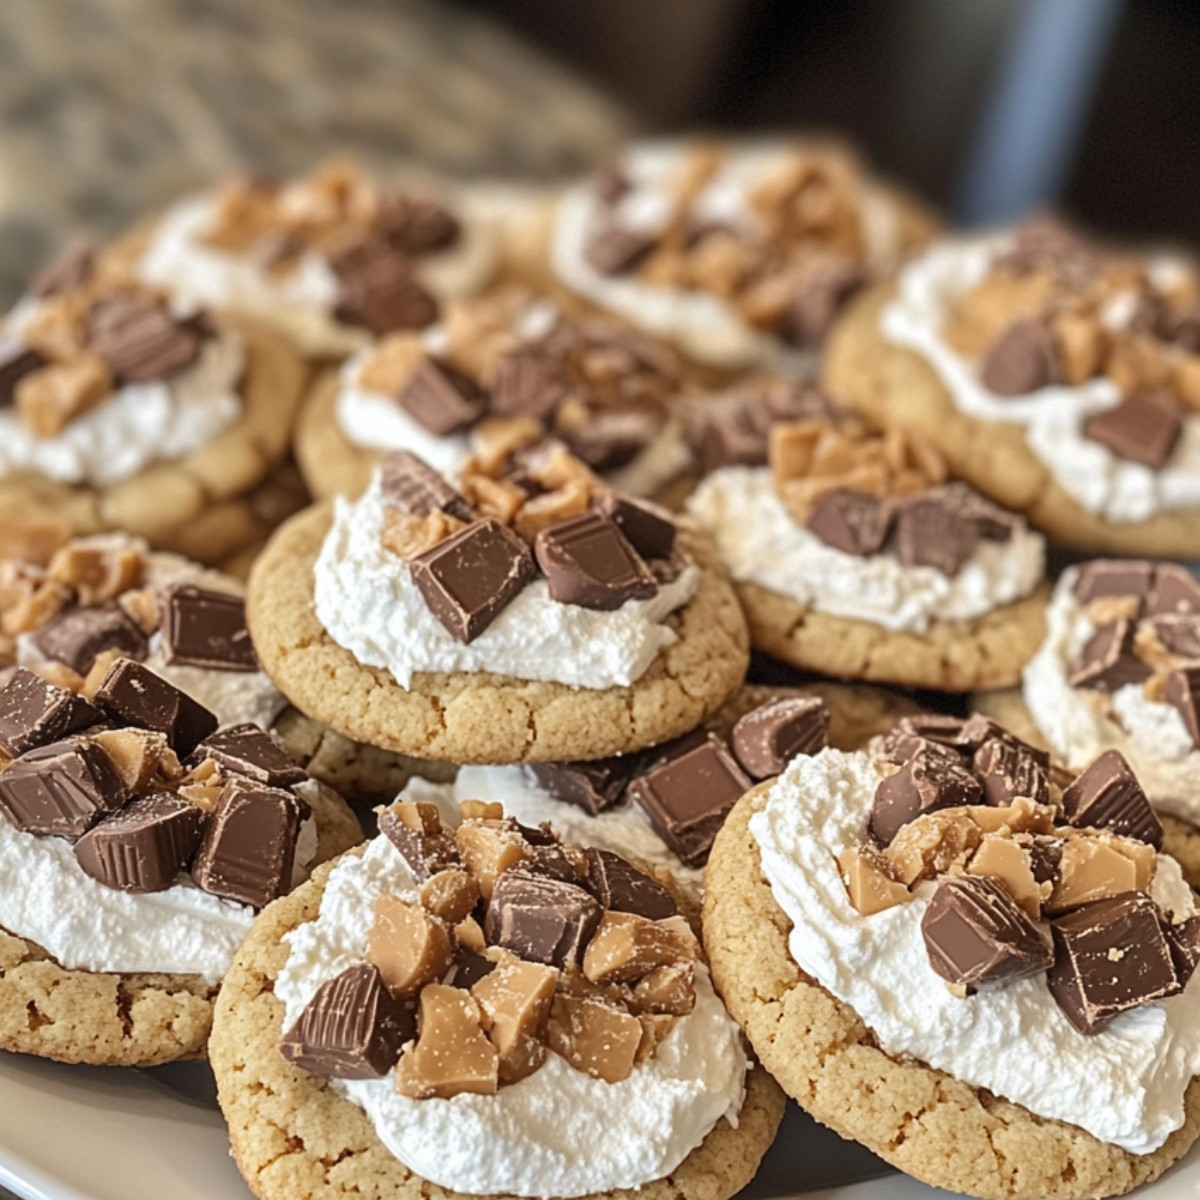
{"x":760,"y":542}
{"x":558,"y":1132}
{"x":1124,"y":1085}
{"x":1052,"y":417}
{"x":1079,"y":724}
{"x":367,"y":601}
{"x":138,"y":424}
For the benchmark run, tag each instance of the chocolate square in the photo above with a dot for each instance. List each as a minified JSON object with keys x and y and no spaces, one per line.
{"x":588,"y":562}
{"x":76,"y":636}
{"x":1108,"y":796}
{"x":250,"y":751}
{"x":620,"y":886}
{"x":61,"y":789}
{"x":441,"y":399}
{"x":1114,"y":577}
{"x":132,"y":694}
{"x":1108,"y":660}
{"x":34,"y":712}
{"x":1175,"y":590}
{"x":853,"y":522}
{"x":593,"y":786}
{"x":648,"y":528}
{"x":205,"y":628}
{"x":935,"y":529}
{"x":766,"y":739}
{"x":540,"y":919}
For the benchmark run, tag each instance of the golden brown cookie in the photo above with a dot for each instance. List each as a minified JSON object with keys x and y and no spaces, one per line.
{"x":293,"y":1138}
{"x":930,"y":1125}
{"x":896,"y":388}
{"x":331,"y":464}
{"x":479,"y":717}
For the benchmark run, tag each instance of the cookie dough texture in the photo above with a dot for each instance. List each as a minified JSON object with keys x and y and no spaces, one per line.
{"x":479,"y":717}
{"x":950,"y":656}
{"x":207,"y":505}
{"x":123,"y":1020}
{"x":293,"y":1138}
{"x":934,"y":1127}
{"x":896,"y":388}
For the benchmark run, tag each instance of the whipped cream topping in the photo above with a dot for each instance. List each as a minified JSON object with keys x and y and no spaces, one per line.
{"x":366,"y":599}
{"x":558,"y":1132}
{"x":1052,"y":417}
{"x":1124,"y":1085}
{"x":1080,"y":723}
{"x":760,"y":542}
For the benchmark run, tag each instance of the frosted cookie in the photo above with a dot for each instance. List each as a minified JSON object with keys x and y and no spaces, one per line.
{"x":137,"y":841}
{"x":373,"y":1023}
{"x":535,"y":615}
{"x":740,"y":252}
{"x":976,"y":966}
{"x":121,"y":409}
{"x":611,"y":394}
{"x":1058,"y":378}
{"x":327,"y":261}
{"x":853,"y":556}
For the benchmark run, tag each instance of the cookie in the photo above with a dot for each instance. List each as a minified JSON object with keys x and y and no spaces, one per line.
{"x":332,"y":465}
{"x":928,"y":1124}
{"x":476,"y":717}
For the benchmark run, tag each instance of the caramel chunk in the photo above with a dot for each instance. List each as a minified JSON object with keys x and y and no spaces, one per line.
{"x":452,"y":1053}
{"x":594,"y":1035}
{"x":669,"y":989}
{"x":931,"y":845}
{"x":626,"y":946}
{"x":541,"y":919}
{"x":410,"y":946}
{"x":450,"y":894}
{"x":50,"y":398}
{"x":870,"y":880}
{"x":1094,"y":868}
{"x":489,"y":847}
{"x":516,"y":998}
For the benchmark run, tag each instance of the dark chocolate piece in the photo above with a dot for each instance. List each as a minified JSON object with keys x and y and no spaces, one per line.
{"x":352,"y":1028}
{"x":252,"y":752}
{"x":203,"y":628}
{"x":410,"y":485}
{"x":1143,"y":428}
{"x":528,"y":382}
{"x":132,"y":694}
{"x":70,"y":267}
{"x":818,"y":298}
{"x":540,"y":919}
{"x":377,"y":288}
{"x":767,"y":738}
{"x":850,"y":521}
{"x":1182,"y":691}
{"x":928,"y":781}
{"x":1184,"y":941}
{"x":1024,"y":358}
{"x":1114,"y":577}
{"x":620,"y":886}
{"x":144,"y":846}
{"x":140,"y":340}
{"x":592,"y":786}
{"x":648,"y":528}
{"x":425,"y":853}
{"x":1007,"y":770}
{"x":470,"y":577}
{"x":688,"y":796}
{"x":613,"y":250}
{"x":76,"y":636}
{"x":587,"y":561}
{"x":1175,"y":590}
{"x":1110,"y":956}
{"x":441,"y":399}
{"x":1108,"y":796}
{"x":936,"y":528}
{"x":608,"y":181}
{"x":34,"y":712}
{"x":63,"y":788}
{"x":975,"y":932}
{"x":16,"y":361}
{"x":1108,"y":660}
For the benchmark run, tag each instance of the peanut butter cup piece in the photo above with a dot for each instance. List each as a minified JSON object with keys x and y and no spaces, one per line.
{"x":1108,"y":660}
{"x":928,"y":781}
{"x":1115,"y":577}
{"x":588,"y":561}
{"x":541,"y":920}
{"x":1108,"y":796}
{"x":132,"y":694}
{"x":76,"y":636}
{"x":440,"y":398}
{"x":1175,"y":590}
{"x":411,"y":486}
{"x":1024,"y":358}
{"x":1144,"y":428}
{"x":61,"y":789}
{"x":767,"y":738}
{"x":621,"y":887}
{"x":1007,"y":769}
{"x":140,"y":340}
{"x":851,"y":521}
{"x":34,"y":712}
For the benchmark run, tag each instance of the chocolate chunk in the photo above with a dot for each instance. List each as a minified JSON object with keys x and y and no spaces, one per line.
{"x":1175,"y":590}
{"x":1007,"y":770}
{"x":412,"y":486}
{"x":144,"y":846}
{"x":34,"y":712}
{"x":252,"y":752}
{"x":352,"y":1028}
{"x":76,"y":636}
{"x":911,"y":734}
{"x":688,"y":796}
{"x":608,"y":181}
{"x":470,"y":577}
{"x":132,"y":694}
{"x":418,"y":224}
{"x":63,"y":788}
{"x":647,"y":527}
{"x":540,"y":919}
{"x":69,"y":268}
{"x":1024,"y":358}
{"x":203,"y":628}
{"x":620,"y":886}
{"x":377,"y":288}
{"x":1143,"y":428}
{"x":250,"y":844}
{"x":528,"y":382}
{"x":1182,"y":691}
{"x":592,"y":786}
{"x":850,"y":521}
{"x":425,"y":853}
{"x":469,"y":968}
{"x":978,"y":729}
{"x":818,"y":298}
{"x":1114,"y":577}
{"x":1108,"y":661}
{"x":936,"y":529}
{"x":1108,"y":796}
{"x":140,"y":340}
{"x":1184,"y":941}
{"x":927,"y":782}
{"x":766,"y":739}
{"x":614,"y":250}
{"x":1110,"y":956}
{"x":441,"y":399}
{"x":975,"y":932}
{"x":16,"y":361}
{"x":588,"y":562}
{"x":609,"y":439}
{"x":1179,"y":633}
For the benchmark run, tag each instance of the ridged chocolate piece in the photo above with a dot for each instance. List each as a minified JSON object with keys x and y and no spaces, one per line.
{"x":592,"y":786}
{"x":76,"y":636}
{"x":1179,"y":633}
{"x":132,"y":694}
{"x":352,"y":1028}
{"x":425,"y":853}
{"x":16,"y":361}
{"x":1175,"y":590}
{"x":937,"y":528}
{"x":528,"y":382}
{"x":1024,"y":358}
{"x":1115,"y":577}
{"x":620,"y":886}
{"x":818,"y":297}
{"x":377,"y":288}
{"x":1007,"y":770}
{"x":928,"y":781}
{"x":61,"y":789}
{"x":648,"y":528}
{"x":540,"y":919}
{"x":412,"y":486}
{"x":767,"y":738}
{"x":144,"y":846}
{"x":204,"y":628}
{"x":1144,"y":428}
{"x":1108,"y":796}
{"x":587,"y":561}
{"x":1182,"y":691}
{"x":1108,"y":661}
{"x":250,"y":751}
{"x":610,"y":438}
{"x":441,"y":399}
{"x":140,"y":340}
{"x":34,"y":712}
{"x":1184,"y":941}
{"x":975,"y":932}
{"x":911,"y":734}
{"x":850,"y":521}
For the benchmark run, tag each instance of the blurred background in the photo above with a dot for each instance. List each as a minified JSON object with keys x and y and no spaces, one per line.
{"x":989,"y":108}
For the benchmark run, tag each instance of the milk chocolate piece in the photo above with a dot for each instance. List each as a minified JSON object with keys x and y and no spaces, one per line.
{"x":588,"y":562}
{"x":61,"y":789}
{"x":1108,"y":660}
{"x":140,"y":340}
{"x":418,"y":224}
{"x":1175,"y":590}
{"x":1114,"y":577}
{"x":34,"y":712}
{"x":70,"y":267}
{"x":378,"y":289}
{"x":850,"y":521}
{"x":978,"y":729}
{"x":1182,"y":691}
{"x":413,"y":487}
{"x":452,"y":1055}
{"x":610,"y":438}
{"x":144,"y":846}
{"x":1143,"y":428}
{"x":204,"y":628}
{"x":541,"y":920}
{"x":593,"y":786}
{"x":1108,"y":796}
{"x":132,"y":694}
{"x":1184,"y":940}
{"x":1179,"y":633}
{"x":420,"y":839}
{"x":469,"y":578}
{"x":410,"y":946}
{"x":441,"y":399}
{"x":911,"y":734}
{"x":250,"y":751}
{"x":77,"y":635}
{"x":1024,"y":358}
{"x":928,"y":781}
{"x":528,"y":382}
{"x":250,"y":844}
{"x":766,"y":739}
{"x":351,"y":1029}
{"x":648,"y":528}
{"x":935,"y":529}
{"x":688,"y":795}
{"x":621,"y":887}
{"x":975,"y":933}
{"x":818,"y":298}
{"x":1007,"y":770}
{"x":614,"y":250}
{"x":16,"y":361}
{"x":1110,"y":957}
